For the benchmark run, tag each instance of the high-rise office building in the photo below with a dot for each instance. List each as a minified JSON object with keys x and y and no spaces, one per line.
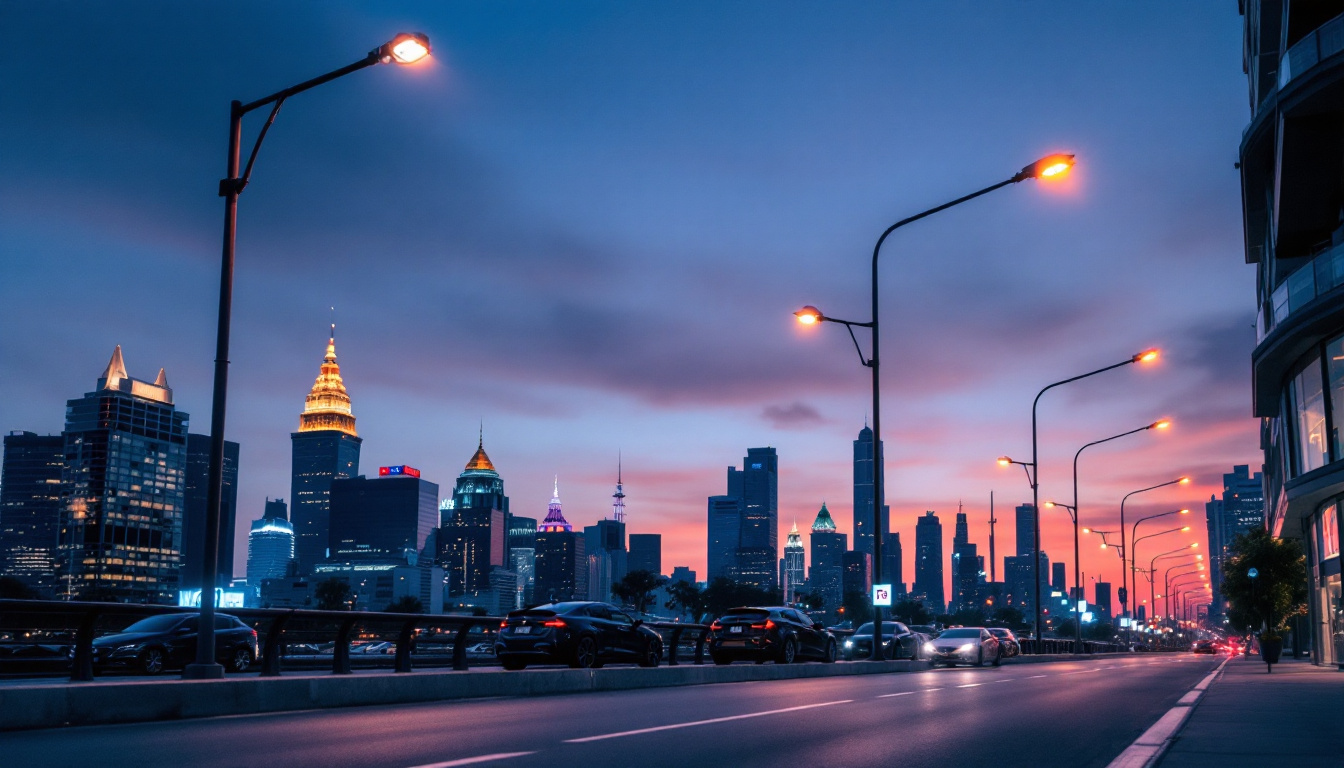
{"x":928,"y":584}
{"x":270,"y":545}
{"x":562,"y":564}
{"x":123,"y":490}
{"x":1291,"y":193}
{"x":523,"y":556}
{"x":828,"y":553}
{"x":724,"y":529}
{"x":793,"y":571}
{"x":1058,"y":578}
{"x":1101,"y":602}
{"x":325,"y":448}
{"x":608,"y":560}
{"x":474,"y":532}
{"x":1241,"y":509}
{"x":387,"y":518}
{"x":966,"y":569}
{"x":646,"y":552}
{"x":856,"y":574}
{"x":757,"y":485}
{"x":863,"y":496}
{"x":195,"y":511}
{"x":1025,"y":527}
{"x":893,"y":561}
{"x":30,"y":509}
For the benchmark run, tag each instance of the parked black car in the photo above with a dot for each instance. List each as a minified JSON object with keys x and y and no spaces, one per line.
{"x":782,"y":635}
{"x":1007,"y":641}
{"x":898,"y":642}
{"x":168,"y":641}
{"x":580,"y":634}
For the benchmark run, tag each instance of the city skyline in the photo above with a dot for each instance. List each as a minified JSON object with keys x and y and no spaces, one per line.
{"x":601,"y":360}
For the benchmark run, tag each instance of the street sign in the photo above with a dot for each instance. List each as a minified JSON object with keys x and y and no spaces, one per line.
{"x":882,"y":595}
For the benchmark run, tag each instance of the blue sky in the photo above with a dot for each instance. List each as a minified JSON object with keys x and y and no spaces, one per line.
{"x":588,"y":224}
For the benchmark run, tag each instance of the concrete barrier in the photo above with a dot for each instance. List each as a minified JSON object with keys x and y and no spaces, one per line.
{"x":48,"y":705}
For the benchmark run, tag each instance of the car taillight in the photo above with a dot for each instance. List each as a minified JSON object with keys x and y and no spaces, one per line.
{"x":554,"y":623}
{"x":503,"y":624}
{"x":716,"y":626}
{"x":767,"y":625}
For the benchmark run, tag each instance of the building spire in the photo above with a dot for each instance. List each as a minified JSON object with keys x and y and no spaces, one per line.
{"x":618,"y":506}
{"x":162,"y":379}
{"x":327,"y":407}
{"x":555,"y":521}
{"x":116,"y":368}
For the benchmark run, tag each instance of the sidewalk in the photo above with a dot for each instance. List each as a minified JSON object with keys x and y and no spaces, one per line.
{"x":1250,"y":718}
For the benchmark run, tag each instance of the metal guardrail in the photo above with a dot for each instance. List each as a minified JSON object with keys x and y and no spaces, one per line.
{"x":79,"y":623}
{"x":1031,"y":646}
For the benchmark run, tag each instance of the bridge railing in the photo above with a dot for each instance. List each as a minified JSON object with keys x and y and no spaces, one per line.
{"x":1031,"y":646}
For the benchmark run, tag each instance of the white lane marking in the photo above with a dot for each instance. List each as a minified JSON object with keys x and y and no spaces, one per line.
{"x":889,"y":695}
{"x":1033,"y":677}
{"x":933,"y":689}
{"x":1009,"y":680}
{"x":971,"y":685}
{"x":1147,"y":747}
{"x":476,"y":759}
{"x":711,"y":721}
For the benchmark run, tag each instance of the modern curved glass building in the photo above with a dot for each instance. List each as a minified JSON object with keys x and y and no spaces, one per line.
{"x":1292,"y":175}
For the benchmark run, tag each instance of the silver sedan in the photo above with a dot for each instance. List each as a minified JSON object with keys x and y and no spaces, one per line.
{"x":964,"y":645}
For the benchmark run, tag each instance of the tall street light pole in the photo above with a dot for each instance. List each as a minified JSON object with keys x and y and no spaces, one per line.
{"x":1078,"y":625}
{"x":1135,"y":538}
{"x":1124,"y":599}
{"x":1034,"y":474}
{"x":1180,"y":552}
{"x":1051,"y":167}
{"x":403,"y":49}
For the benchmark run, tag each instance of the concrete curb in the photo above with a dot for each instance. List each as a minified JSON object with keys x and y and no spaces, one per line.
{"x":57,"y":704}
{"x":1149,"y":748}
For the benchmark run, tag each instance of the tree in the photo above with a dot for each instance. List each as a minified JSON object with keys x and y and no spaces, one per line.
{"x":1008,"y":616}
{"x":687,"y":598}
{"x":858,"y":608}
{"x":636,"y":588}
{"x":968,"y":617}
{"x":13,"y":589}
{"x":911,"y":612}
{"x":813,"y":601}
{"x":1066,"y":628}
{"x":723,"y":594}
{"x":333,"y":595}
{"x":1279,"y":590}
{"x":405,"y":604}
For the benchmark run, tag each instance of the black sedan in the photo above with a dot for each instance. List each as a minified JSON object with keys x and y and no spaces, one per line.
{"x":1007,"y":641}
{"x":168,"y":641}
{"x":782,"y":635}
{"x":581,"y":634}
{"x":898,"y":642}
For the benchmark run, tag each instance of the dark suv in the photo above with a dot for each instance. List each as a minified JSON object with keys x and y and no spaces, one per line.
{"x":583,"y":635}
{"x":782,"y":635}
{"x":898,"y":642}
{"x":169,"y":641}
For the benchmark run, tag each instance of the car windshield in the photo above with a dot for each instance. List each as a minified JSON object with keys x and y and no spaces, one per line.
{"x":155,"y":623}
{"x":888,"y":627}
{"x":960,"y":634}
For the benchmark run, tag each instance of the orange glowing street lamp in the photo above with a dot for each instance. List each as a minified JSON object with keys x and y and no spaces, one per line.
{"x":405,"y":48}
{"x":1133,"y":575}
{"x":1049,"y":167}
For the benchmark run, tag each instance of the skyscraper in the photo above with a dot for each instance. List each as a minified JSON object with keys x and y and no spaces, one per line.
{"x":473,"y":535}
{"x":30,"y":509}
{"x":893,"y":560}
{"x":1242,"y":508}
{"x":757,"y":485}
{"x":562,"y":564}
{"x":828,"y":552}
{"x":270,"y":545}
{"x":325,"y":448}
{"x":1025,"y":527}
{"x":604,"y":544}
{"x":857,"y":574}
{"x":195,"y":510}
{"x":122,"y":490}
{"x":646,"y":552}
{"x":724,"y":529}
{"x":966,"y":569}
{"x":929,"y":562}
{"x":523,"y":555}
{"x":387,"y":518}
{"x":863,"y":496}
{"x":1102,"y":601}
{"x":794,"y":570}
{"x":1058,"y":578}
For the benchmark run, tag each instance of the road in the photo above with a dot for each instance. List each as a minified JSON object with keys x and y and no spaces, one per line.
{"x":1065,"y":713}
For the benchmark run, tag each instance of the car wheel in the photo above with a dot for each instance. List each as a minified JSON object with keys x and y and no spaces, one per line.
{"x":585,"y":654}
{"x":652,"y":655}
{"x":512,"y":664}
{"x":829,"y":658}
{"x":788,"y":653}
{"x":241,"y":660}
{"x":720,"y":661}
{"x":151,"y":661}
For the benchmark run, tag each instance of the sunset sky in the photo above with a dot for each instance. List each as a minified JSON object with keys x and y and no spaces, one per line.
{"x":587,"y":226}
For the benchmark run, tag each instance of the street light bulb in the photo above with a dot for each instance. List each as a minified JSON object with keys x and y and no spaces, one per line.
{"x":808,"y":315}
{"x":1185,"y":481}
{"x":1185,"y":511}
{"x":1195,"y":545}
{"x":1186,"y":528}
{"x":407,"y":48}
{"x":1050,"y":167}
{"x":1004,"y":461}
{"x":1103,"y":545}
{"x":1049,"y":503}
{"x":1087,"y":530}
{"x":1147,"y":356}
{"x":1163,"y":424}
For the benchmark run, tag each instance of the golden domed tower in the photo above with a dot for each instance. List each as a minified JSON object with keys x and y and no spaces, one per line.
{"x":328,"y":405}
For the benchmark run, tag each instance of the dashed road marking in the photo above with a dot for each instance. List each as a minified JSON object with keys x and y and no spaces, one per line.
{"x":710,"y":721}
{"x":476,"y":759}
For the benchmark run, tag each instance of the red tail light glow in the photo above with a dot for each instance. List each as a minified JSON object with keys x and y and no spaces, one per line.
{"x":554,"y":623}
{"x":503,"y":624}
{"x":716,"y":626}
{"x":767,"y":625}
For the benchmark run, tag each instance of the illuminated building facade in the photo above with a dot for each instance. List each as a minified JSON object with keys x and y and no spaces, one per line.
{"x":793,"y":568}
{"x":270,"y":545}
{"x":474,"y":533}
{"x":828,"y":552}
{"x":388,"y":518}
{"x":325,"y":448}
{"x":30,"y":509}
{"x":123,"y":491}
{"x":562,"y":563}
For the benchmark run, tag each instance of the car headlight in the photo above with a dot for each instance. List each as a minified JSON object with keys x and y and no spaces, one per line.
{"x":928,"y":648}
{"x":965,"y":647}
{"x":849,"y":643}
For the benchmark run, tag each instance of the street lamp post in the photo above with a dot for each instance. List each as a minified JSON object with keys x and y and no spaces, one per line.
{"x":1179,"y":552}
{"x":1050,"y":167}
{"x":1034,"y":473}
{"x":405,"y":48}
{"x":1124,"y":602}
{"x":1187,"y":569}
{"x":1073,"y":510}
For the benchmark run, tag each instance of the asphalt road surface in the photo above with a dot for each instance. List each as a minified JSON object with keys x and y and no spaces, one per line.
{"x":1067,"y":713}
